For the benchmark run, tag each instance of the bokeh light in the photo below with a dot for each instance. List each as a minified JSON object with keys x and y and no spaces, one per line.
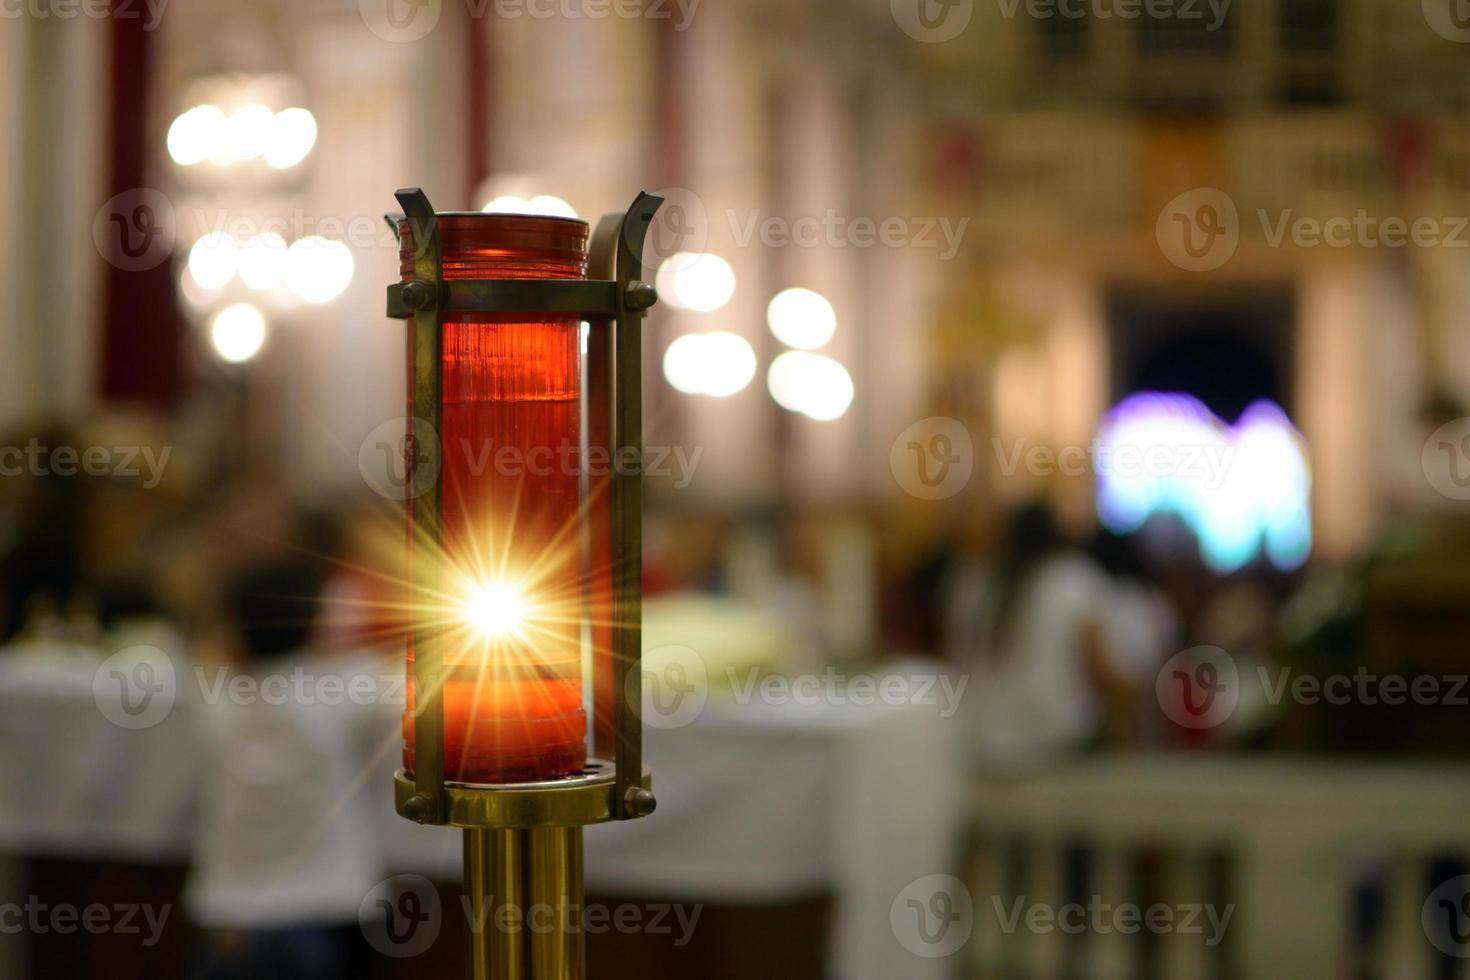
{"x":194,"y":135}
{"x":700,"y":283}
{"x":717,"y":364}
{"x":237,"y":333}
{"x":213,"y":260}
{"x":541,"y":204}
{"x":318,"y":269}
{"x":292,"y":136}
{"x":810,"y":384}
{"x":262,"y":261}
{"x":248,"y":132}
{"x":205,"y":132}
{"x":801,"y":318}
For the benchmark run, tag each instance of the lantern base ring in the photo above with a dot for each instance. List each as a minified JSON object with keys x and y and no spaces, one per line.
{"x":575,"y":801}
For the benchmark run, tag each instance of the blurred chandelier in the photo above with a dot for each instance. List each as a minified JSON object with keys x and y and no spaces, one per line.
{"x":242,"y":122}
{"x":238,"y":145}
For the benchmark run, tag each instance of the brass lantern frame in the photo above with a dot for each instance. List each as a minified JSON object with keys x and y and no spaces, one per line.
{"x":523,"y":841}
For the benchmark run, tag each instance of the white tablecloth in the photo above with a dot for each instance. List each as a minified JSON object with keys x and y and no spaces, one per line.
{"x":757,"y":803}
{"x":78,"y":785}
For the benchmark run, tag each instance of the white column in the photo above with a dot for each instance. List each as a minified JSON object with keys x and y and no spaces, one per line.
{"x":987,"y":887}
{"x":1291,"y":914}
{"x":56,"y":166}
{"x":1113,"y":955}
{"x":1044,"y":886}
{"x":1184,"y":955}
{"x":1403,"y":951}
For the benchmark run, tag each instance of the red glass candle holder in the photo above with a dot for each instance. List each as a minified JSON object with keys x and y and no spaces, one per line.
{"x":507,"y":596}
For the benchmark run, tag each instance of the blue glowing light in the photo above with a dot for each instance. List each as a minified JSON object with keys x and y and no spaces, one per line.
{"x":1243,"y":489}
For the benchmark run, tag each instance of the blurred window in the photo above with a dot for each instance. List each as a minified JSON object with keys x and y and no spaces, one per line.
{"x":1308,"y":31}
{"x":1161,"y":30}
{"x":1308,"y":25}
{"x":1065,"y":37}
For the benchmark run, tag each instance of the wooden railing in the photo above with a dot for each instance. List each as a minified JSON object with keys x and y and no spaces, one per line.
{"x":1301,"y":869}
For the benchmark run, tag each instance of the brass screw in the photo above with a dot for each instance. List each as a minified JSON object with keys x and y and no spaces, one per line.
{"x":419,"y":295}
{"x":641,"y":295}
{"x":416,"y":808}
{"x":640,"y":802}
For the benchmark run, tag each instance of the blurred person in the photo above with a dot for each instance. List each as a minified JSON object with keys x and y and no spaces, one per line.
{"x":285,"y":853}
{"x":1036,"y":633}
{"x":1142,"y":623}
{"x":360,"y":554}
{"x":42,"y":567}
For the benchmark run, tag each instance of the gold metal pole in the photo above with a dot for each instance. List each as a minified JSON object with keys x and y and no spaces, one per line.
{"x":524,"y":889}
{"x":494,"y":878}
{"x":555,"y":914}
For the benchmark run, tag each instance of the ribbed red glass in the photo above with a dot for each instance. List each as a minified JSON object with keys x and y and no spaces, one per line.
{"x":510,"y":508}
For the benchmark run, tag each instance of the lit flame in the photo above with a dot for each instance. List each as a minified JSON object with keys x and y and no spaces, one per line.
{"x":496,"y":610}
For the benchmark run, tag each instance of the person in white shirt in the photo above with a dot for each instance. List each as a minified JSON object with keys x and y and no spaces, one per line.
{"x":1039,"y":635}
{"x":286,"y":851}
